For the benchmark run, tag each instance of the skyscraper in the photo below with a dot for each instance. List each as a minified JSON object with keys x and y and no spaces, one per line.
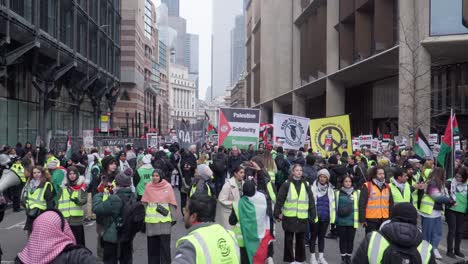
{"x":191,"y":57}
{"x":224,"y":13}
{"x":237,"y":49}
{"x":173,"y":6}
{"x":179,"y":24}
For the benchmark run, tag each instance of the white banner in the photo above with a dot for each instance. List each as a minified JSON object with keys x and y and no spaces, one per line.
{"x":375,"y":145}
{"x":88,"y":141}
{"x":365,"y":140}
{"x":433,"y":139}
{"x":152,"y":140}
{"x":291,"y":129}
{"x":356,"y":144}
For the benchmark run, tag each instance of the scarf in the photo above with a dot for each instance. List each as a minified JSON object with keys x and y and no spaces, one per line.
{"x":400,"y":186}
{"x":123,"y":165}
{"x":33,"y":184}
{"x":47,"y":239}
{"x":458,"y":187}
{"x":378,"y":183}
{"x":160,"y":192}
{"x":321,"y":189}
{"x":348,"y":191}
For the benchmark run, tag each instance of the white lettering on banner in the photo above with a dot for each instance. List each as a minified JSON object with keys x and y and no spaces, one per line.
{"x":244,"y":115}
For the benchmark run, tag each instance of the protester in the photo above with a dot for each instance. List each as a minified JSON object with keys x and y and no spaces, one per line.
{"x":324,"y":198}
{"x":282,"y":166}
{"x":92,"y":174}
{"x":294,"y":205}
{"x":347,"y":216}
{"x":375,"y":202}
{"x":38,"y":195}
{"x":188,"y":165}
{"x":71,"y":197}
{"x":52,"y":241}
{"x":309,"y":171}
{"x":235,"y":159}
{"x":203,"y":176}
{"x":455,"y":215}
{"x":198,"y":218}
{"x":229,"y":195}
{"x":57,"y":174}
{"x":431,"y":208}
{"x":161,"y":206}
{"x":252,"y":226}
{"x":144,"y":175}
{"x":399,"y":241}
{"x":399,"y":187}
{"x":270,"y":166}
{"x":219,"y":166}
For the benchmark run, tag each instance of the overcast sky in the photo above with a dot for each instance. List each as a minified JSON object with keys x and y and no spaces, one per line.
{"x":198,"y":14}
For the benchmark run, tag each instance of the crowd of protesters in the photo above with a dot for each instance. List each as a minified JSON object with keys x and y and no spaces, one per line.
{"x":134,"y":190}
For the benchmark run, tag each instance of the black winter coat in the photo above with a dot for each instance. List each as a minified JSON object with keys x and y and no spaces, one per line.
{"x":293,"y":224}
{"x":336,"y":173}
{"x":234,"y":162}
{"x":402,"y":235}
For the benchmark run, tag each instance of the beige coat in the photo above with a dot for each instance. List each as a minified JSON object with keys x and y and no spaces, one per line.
{"x":228,"y":195}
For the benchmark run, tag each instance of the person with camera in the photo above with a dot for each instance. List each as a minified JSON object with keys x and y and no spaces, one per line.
{"x":160,"y":207}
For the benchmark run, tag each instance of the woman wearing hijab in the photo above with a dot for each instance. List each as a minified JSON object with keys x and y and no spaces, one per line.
{"x":72,"y":197}
{"x":160,"y":203}
{"x":38,"y":195}
{"x":455,"y":214}
{"x":324,"y":198}
{"x":52,"y":241}
{"x":229,"y":194}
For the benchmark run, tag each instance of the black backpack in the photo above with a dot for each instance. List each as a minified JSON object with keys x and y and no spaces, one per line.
{"x":132,"y":218}
{"x":397,"y":255}
{"x":219,"y":163}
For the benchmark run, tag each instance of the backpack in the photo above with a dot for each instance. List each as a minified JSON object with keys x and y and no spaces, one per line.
{"x":131,"y":220}
{"x":219,"y":163}
{"x":397,"y":255}
{"x":282,"y":164}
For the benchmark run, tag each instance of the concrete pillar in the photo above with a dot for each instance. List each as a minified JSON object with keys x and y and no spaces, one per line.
{"x":335,"y":98}
{"x":415,"y":69}
{"x":333,"y":37}
{"x":264,"y":115}
{"x":298,"y":105}
{"x":277,"y":107}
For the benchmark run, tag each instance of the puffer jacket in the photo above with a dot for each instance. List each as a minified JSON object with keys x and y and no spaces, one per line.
{"x":402,"y":235}
{"x":72,"y":254}
{"x":336,"y":173}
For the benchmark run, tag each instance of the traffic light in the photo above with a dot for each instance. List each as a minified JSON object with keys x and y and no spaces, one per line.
{"x":465,"y":13}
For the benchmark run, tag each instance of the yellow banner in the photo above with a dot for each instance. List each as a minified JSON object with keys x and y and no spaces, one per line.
{"x":104,"y":118}
{"x":331,"y":134}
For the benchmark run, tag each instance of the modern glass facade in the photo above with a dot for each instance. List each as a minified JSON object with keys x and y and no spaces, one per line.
{"x":447,"y":18}
{"x":76,"y":41}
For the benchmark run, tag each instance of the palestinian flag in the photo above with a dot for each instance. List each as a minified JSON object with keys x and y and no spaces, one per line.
{"x":446,"y":145}
{"x":68,"y":154}
{"x":211,"y":129}
{"x":255,"y":227}
{"x":421,"y":146}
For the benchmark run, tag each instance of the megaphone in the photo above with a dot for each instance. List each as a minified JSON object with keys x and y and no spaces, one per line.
{"x":8,"y":180}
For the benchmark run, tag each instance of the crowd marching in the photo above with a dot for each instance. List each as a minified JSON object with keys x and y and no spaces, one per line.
{"x":231,"y":201}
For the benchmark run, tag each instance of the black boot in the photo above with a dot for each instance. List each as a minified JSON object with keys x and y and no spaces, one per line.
{"x":348,"y":259}
{"x":458,"y":252}
{"x":343,"y":259}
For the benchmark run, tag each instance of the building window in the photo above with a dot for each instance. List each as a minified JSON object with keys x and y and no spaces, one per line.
{"x":49,"y":16}
{"x":66,"y":23}
{"x":447,"y":18}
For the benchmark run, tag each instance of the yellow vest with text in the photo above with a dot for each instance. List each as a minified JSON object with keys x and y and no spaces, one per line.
{"x":67,"y":206}
{"x":378,"y":244}
{"x":397,"y":196}
{"x":36,"y":199}
{"x":19,"y":170}
{"x":296,"y":205}
{"x":152,"y":216}
{"x":213,"y":244}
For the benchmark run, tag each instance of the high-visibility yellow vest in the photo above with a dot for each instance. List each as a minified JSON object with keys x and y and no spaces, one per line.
{"x":397,"y":196}
{"x":331,"y":207}
{"x":356,"y":195}
{"x":51,"y":158}
{"x":426,"y":174}
{"x":19,"y":170}
{"x":194,"y":188}
{"x":152,"y":216}
{"x":67,"y":206}
{"x":296,"y":205}
{"x":237,"y":229}
{"x":271,"y":192}
{"x":213,"y":244}
{"x":36,"y":199}
{"x":106,"y":192}
{"x":378,"y":244}
{"x":272,"y":175}
{"x":427,"y":204}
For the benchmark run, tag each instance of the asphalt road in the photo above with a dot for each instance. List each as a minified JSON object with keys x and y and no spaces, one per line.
{"x":13,"y":239}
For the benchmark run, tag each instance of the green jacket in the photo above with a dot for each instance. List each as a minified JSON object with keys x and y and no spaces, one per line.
{"x":109,"y":212}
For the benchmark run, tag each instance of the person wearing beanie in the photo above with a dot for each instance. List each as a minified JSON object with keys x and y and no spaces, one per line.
{"x":347,"y":220}
{"x":402,"y":233}
{"x":324,"y":198}
{"x":143,"y":175}
{"x":203,"y":176}
{"x":294,"y":207}
{"x":71,"y":197}
{"x":376,"y":201}
{"x":245,"y":212}
{"x":117,"y":244}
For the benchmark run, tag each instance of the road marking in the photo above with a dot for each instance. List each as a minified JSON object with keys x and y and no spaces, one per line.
{"x":20,"y":224}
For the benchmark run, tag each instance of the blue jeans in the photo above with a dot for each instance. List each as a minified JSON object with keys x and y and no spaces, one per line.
{"x":432,"y":230}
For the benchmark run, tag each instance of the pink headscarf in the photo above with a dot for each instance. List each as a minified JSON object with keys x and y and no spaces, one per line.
{"x":47,"y":239}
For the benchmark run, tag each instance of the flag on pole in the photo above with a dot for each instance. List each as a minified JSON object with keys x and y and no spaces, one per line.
{"x":68,"y":154}
{"x":421,"y":146}
{"x":447,"y":142}
{"x":211,"y":129}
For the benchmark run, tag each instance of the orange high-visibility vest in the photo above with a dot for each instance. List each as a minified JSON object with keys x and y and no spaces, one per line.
{"x":378,"y":203}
